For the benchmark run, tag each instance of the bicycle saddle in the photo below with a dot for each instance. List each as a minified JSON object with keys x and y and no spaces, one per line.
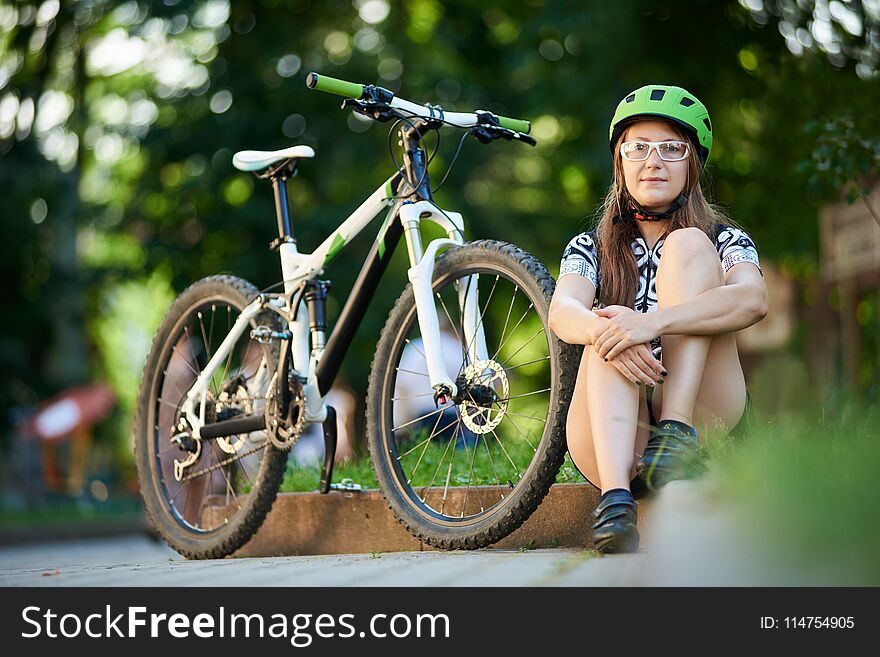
{"x":255,"y":160}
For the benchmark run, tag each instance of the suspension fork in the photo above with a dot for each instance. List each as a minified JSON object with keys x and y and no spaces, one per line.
{"x":421,"y":274}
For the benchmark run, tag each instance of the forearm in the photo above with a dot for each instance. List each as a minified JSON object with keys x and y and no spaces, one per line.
{"x":722,"y":309}
{"x":573,"y":323}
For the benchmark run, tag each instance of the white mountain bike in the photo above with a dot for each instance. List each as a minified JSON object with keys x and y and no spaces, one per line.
{"x":234,"y":374}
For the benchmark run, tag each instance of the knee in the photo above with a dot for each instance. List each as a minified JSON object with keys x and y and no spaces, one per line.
{"x":686,"y":244}
{"x":688,"y":251}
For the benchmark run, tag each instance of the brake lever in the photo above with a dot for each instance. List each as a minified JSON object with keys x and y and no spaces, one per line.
{"x":487,"y":133}
{"x":377,"y":111}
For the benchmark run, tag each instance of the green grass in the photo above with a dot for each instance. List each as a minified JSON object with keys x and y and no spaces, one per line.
{"x":359,"y":470}
{"x":808,"y":486}
{"x":306,"y":479}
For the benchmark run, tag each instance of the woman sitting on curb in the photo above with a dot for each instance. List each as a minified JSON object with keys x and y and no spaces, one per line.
{"x":647,"y":320}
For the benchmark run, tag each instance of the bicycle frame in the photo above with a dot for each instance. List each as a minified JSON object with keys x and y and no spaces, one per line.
{"x":321,"y":364}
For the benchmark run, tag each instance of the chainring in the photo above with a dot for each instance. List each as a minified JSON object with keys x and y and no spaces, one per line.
{"x":284,"y":426}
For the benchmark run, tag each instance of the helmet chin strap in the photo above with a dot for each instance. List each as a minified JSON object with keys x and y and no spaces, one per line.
{"x":640,"y":214}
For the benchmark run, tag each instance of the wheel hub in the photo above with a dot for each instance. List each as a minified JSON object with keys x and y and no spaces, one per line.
{"x":483,"y":398}
{"x":233,"y":401}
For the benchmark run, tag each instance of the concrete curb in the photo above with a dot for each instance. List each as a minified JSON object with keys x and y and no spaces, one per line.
{"x":360,"y":522}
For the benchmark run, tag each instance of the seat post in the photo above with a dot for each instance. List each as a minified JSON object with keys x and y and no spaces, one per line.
{"x":282,"y":207}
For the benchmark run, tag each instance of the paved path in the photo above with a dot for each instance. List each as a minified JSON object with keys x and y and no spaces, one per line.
{"x":690,"y":543}
{"x":139,"y":561}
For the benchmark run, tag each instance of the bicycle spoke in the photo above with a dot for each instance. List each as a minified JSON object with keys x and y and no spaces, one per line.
{"x":442,"y":458}
{"x":523,"y":346}
{"x":168,"y":449}
{"x":528,"y":417}
{"x":229,"y":488}
{"x":492,"y":463}
{"x":522,"y":435}
{"x":451,"y":323}
{"x":211,"y":326}
{"x":231,"y":351}
{"x":525,"y":394}
{"x":501,"y":346}
{"x":413,"y":345}
{"x":531,"y":362}
{"x":471,"y":477}
{"x":463,"y":339}
{"x":448,"y":473}
{"x":186,"y":362}
{"x":482,"y":316}
{"x":421,"y":417}
{"x":243,"y":467}
{"x":421,"y":394}
{"x":204,"y":337}
{"x":201,"y":511}
{"x":433,"y":433}
{"x":503,"y":449}
{"x":509,"y":309}
{"x":400,"y":369}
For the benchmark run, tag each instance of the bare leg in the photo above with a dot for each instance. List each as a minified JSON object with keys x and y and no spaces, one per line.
{"x":580,"y":434}
{"x":689,"y":266}
{"x":614,"y":410}
{"x":722,"y":396}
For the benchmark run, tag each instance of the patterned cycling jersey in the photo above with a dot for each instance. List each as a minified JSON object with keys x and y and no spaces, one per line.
{"x":582,"y":258}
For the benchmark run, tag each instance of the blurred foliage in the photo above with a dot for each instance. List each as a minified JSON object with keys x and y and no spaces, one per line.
{"x":843,"y":30}
{"x":802,"y":482}
{"x":844,"y":160}
{"x":118,"y":121}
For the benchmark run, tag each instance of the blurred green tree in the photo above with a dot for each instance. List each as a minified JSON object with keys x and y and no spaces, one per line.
{"x":118,"y":121}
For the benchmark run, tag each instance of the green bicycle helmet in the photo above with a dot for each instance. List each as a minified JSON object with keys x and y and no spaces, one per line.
{"x":668,"y":102}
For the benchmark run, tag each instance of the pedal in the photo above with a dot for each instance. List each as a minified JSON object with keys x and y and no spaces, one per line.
{"x":347,"y":485}
{"x":264,"y":335}
{"x":329,"y":450}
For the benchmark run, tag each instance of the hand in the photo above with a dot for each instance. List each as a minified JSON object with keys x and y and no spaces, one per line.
{"x":626,"y":328}
{"x":638,"y":364}
{"x":597,"y":329}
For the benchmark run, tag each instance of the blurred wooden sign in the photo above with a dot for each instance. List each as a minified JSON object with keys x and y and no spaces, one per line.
{"x":850,"y":240}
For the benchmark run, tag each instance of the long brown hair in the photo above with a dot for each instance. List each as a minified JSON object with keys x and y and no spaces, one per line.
{"x":618,"y":272}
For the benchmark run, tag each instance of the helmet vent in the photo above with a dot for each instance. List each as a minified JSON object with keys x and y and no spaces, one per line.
{"x":657,"y":94}
{"x":687,"y":102}
{"x":708,"y":125}
{"x":630,"y":98}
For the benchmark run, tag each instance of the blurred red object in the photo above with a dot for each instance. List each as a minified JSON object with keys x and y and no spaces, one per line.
{"x":74,"y":410}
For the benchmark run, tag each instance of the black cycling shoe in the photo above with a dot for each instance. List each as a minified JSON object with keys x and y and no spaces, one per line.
{"x":616,"y":530}
{"x":671,"y":453}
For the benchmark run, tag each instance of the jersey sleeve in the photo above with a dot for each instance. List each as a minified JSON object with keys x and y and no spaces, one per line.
{"x":580,"y":258}
{"x":734,"y":246}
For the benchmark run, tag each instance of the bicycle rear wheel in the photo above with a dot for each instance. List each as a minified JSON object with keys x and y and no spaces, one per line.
{"x":466,"y":474}
{"x":212,"y":505}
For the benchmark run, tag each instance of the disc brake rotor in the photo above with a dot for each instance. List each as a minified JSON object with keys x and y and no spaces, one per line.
{"x":485,"y":397}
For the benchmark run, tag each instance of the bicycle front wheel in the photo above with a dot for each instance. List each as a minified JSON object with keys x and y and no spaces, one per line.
{"x":466,"y":473}
{"x":206,"y":498}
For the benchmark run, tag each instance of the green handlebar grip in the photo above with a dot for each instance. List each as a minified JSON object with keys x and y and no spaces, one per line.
{"x":520,"y":125}
{"x":334,"y":86}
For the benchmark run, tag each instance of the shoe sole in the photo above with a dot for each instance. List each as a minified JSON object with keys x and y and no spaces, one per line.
{"x":618,"y":545}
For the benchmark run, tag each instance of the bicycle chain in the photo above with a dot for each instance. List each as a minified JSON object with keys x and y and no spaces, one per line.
{"x":220,"y":464}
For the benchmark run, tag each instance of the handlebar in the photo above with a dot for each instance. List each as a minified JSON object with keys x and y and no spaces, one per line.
{"x":334,"y":86}
{"x":370,"y":92}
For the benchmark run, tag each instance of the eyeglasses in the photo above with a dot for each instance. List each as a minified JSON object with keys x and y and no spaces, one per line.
{"x":669,"y":151}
